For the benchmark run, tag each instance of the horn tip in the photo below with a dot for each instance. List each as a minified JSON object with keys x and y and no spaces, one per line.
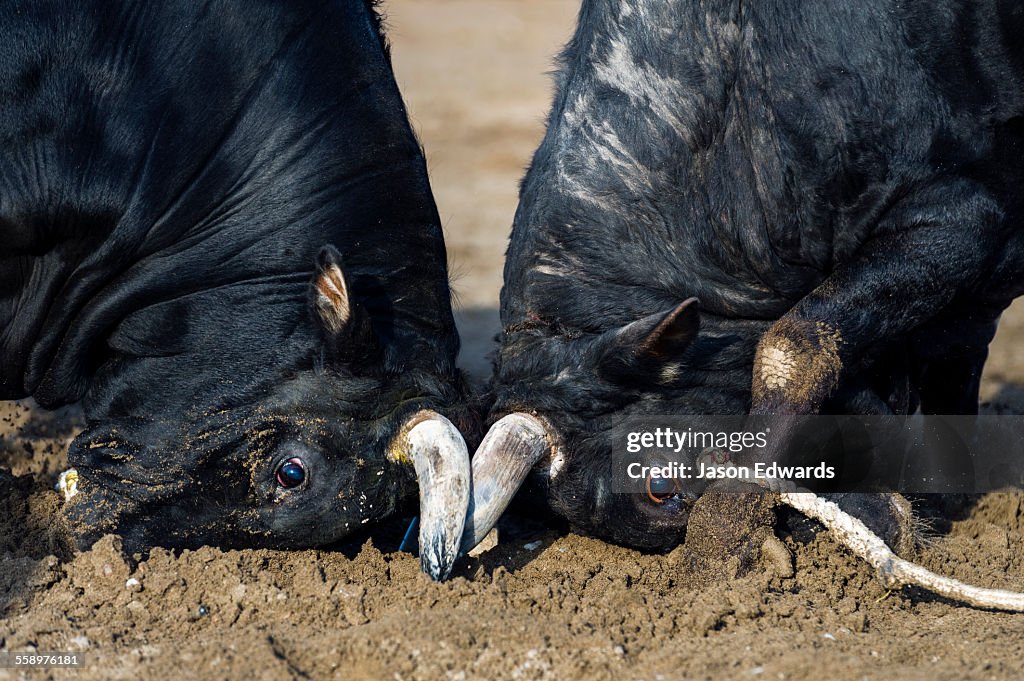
{"x":436,"y":562}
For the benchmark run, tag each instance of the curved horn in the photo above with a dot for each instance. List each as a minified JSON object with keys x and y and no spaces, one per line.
{"x":439,"y":455}
{"x":509,"y":450}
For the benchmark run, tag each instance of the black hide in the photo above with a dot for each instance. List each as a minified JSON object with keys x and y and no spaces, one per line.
{"x":169,"y":172}
{"x":841,"y":184}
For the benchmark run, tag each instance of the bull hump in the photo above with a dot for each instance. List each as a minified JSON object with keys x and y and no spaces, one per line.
{"x":646,"y":126}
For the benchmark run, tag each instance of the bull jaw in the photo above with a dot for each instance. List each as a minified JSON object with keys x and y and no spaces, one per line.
{"x":435,"y":449}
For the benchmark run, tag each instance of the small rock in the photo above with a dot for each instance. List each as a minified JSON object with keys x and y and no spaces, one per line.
{"x":533,"y":545}
{"x":488,"y":543}
{"x":106,"y":560}
{"x":777,"y":556}
{"x":847,"y":606}
{"x":238,"y":593}
{"x":857,"y":622}
{"x":147,"y":651}
{"x":80,"y":643}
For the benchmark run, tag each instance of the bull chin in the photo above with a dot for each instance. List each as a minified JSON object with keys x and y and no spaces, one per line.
{"x":511,"y":448}
{"x":435,"y":449}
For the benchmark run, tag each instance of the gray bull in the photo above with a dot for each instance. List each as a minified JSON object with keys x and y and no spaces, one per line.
{"x":839,"y":184}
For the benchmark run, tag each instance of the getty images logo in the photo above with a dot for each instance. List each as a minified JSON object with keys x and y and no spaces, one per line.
{"x":674,"y":440}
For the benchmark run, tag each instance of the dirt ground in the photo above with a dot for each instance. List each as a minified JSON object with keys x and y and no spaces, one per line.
{"x":542,"y":604}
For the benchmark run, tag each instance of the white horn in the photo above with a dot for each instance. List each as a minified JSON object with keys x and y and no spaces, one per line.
{"x":438,"y":453}
{"x":509,"y":450}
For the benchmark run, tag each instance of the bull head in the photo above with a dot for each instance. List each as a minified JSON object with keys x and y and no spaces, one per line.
{"x":572,"y":443}
{"x":300,"y":458}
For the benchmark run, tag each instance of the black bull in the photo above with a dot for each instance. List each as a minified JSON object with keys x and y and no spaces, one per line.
{"x":841,"y":185}
{"x":170,"y":172}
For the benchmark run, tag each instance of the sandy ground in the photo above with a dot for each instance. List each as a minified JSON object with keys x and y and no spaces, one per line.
{"x":542,"y":604}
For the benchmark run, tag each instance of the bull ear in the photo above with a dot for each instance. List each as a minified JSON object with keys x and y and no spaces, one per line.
{"x":331,"y":291}
{"x":654,"y":342}
{"x":345,"y":323}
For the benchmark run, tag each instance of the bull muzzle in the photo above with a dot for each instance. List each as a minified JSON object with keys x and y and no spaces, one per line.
{"x":438,"y":454}
{"x":511,"y":448}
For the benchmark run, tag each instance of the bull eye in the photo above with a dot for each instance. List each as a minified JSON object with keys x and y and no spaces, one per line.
{"x":291,"y":473}
{"x":660,"y":489}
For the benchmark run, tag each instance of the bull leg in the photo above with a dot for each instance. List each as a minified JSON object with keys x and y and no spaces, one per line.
{"x":948,"y":380}
{"x":949,"y":384}
{"x":898,"y":283}
{"x":882,"y":392}
{"x":883,"y":389}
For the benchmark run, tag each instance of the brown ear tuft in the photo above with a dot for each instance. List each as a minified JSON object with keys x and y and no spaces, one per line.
{"x":332,"y":298}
